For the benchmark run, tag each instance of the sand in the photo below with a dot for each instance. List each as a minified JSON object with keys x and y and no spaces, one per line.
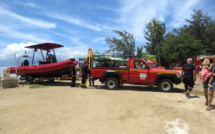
{"x":60,"y":109}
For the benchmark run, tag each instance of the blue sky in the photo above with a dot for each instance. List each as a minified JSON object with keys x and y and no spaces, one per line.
{"x":83,"y":24}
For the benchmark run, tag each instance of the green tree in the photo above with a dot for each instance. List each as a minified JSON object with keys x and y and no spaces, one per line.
{"x":149,"y":57}
{"x":140,"y":51}
{"x":178,"y":47}
{"x":155,"y":35}
{"x":202,"y":27}
{"x":145,"y":56}
{"x":124,"y":45}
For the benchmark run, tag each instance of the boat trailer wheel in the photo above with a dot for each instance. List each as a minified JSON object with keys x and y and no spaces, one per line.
{"x":29,"y":79}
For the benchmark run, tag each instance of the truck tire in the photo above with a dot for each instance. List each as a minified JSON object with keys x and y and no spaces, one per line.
{"x":111,"y":83}
{"x":29,"y":79}
{"x":165,"y":85}
{"x":51,"y":80}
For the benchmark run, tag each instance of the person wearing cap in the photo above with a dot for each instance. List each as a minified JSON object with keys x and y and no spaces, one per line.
{"x":73,"y":72}
{"x":84,"y":71}
{"x":188,"y":75}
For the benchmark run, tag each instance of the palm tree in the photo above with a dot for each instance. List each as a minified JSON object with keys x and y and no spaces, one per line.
{"x":156,"y":31}
{"x":140,"y":52}
{"x":150,"y":57}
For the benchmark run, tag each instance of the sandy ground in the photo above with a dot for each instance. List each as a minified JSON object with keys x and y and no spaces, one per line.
{"x":60,"y":109}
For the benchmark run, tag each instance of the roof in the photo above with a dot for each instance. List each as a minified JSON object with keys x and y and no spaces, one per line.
{"x":96,"y":52}
{"x":45,"y":46}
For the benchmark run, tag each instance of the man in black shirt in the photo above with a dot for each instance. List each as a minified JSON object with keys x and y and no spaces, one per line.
{"x":73,"y":72}
{"x":84,"y":71}
{"x":188,"y":75}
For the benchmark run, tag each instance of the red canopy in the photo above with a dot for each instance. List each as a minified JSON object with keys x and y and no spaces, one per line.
{"x":152,"y":62}
{"x":45,"y":46}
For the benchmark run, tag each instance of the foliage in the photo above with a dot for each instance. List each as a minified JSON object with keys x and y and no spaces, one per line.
{"x":202,"y":27}
{"x":149,"y":57}
{"x":145,"y":56}
{"x":125,"y":45}
{"x":155,"y":35}
{"x":140,"y":52}
{"x":36,"y":86}
{"x":177,"y":48}
{"x":195,"y":38}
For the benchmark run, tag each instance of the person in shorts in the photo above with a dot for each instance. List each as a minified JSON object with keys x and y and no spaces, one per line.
{"x":208,"y":91}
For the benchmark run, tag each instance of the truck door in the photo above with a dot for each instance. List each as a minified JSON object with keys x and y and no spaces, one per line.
{"x":139,"y":73}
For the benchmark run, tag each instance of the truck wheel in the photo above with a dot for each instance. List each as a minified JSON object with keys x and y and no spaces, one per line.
{"x":111,"y":83}
{"x":51,"y":80}
{"x":29,"y":79}
{"x":165,"y":85}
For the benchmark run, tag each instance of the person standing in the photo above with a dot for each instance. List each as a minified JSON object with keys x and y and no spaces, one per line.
{"x":73,"y":72}
{"x":188,"y":75}
{"x":208,"y":92}
{"x":212,"y":67}
{"x":84,"y":71}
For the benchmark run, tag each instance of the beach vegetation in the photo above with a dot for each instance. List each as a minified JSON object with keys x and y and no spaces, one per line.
{"x":36,"y":86}
{"x":124,"y":44}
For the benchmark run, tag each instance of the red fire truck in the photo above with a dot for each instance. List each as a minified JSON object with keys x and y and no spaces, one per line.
{"x":115,"y":73}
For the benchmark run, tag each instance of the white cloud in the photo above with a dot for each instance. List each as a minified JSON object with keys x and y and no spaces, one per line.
{"x":67,"y":53}
{"x":18,"y":35}
{"x":14,"y":26}
{"x":76,"y":21}
{"x":129,"y":15}
{"x":27,"y":4}
{"x":99,"y":40}
{"x":78,"y":45}
{"x":32,"y":21}
{"x":76,"y":39}
{"x":18,"y":49}
{"x":136,"y":14}
{"x":182,"y":12}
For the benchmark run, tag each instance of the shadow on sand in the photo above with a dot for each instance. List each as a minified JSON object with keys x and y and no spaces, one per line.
{"x":192,"y":97}
{"x":55,"y":83}
{"x":142,"y":88}
{"x":212,"y":107}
